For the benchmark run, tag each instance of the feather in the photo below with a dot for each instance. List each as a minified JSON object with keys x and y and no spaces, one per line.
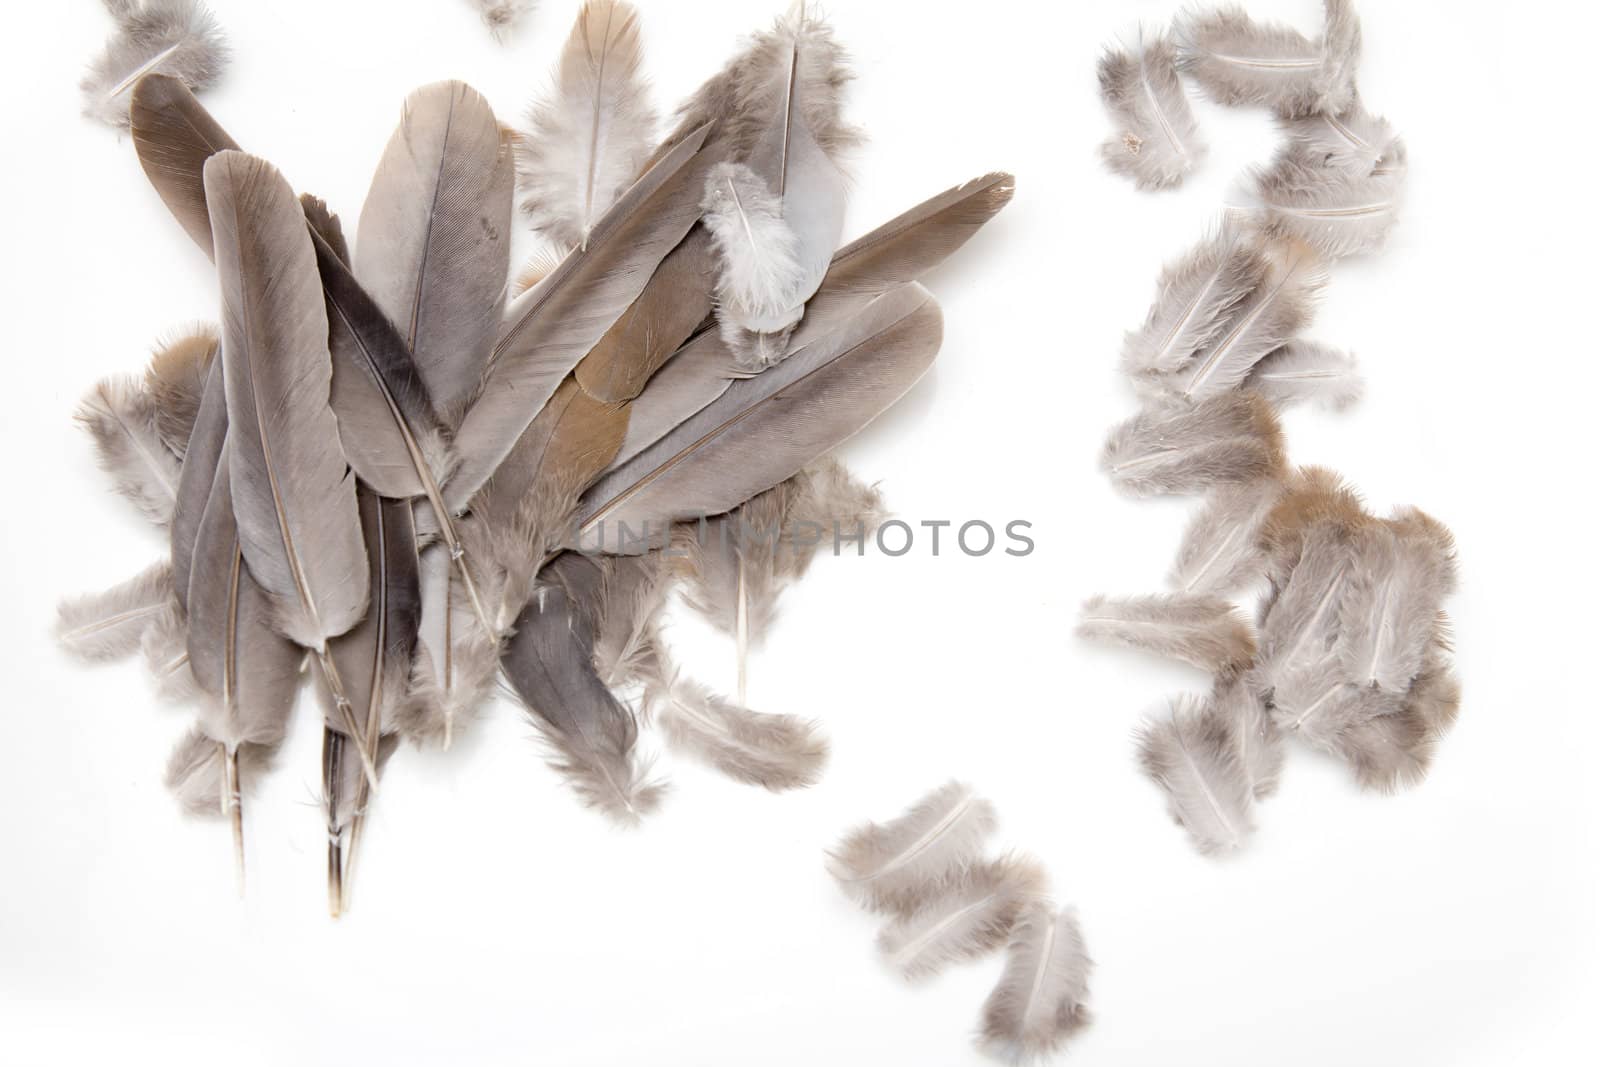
{"x":1299,"y":199}
{"x":342,"y":806}
{"x":1241,"y":63}
{"x":764,"y":429}
{"x":553,"y":325}
{"x":1221,"y":553}
{"x":178,"y":38}
{"x":900,"y":865}
{"x":968,"y":918}
{"x":1197,"y":297}
{"x":1156,"y":143}
{"x":1228,"y":440}
{"x":1308,"y":371}
{"x":1388,"y":752}
{"x":293,"y":495}
{"x":1351,"y":143}
{"x":1301,"y":623}
{"x":121,"y":416}
{"x":176,"y":381}
{"x":627,"y":646}
{"x":761,"y":273}
{"x":776,"y":752}
{"x":1316,"y":703}
{"x":1278,"y":305}
{"x":786,"y":126}
{"x":1194,"y":759}
{"x":174,"y":136}
{"x":110,"y":625}
{"x":1313,"y":497}
{"x":1039,"y":1001}
{"x":375,"y":656}
{"x":207,"y":439}
{"x":1205,"y":631}
{"x":198,"y":772}
{"x":165,"y":648}
{"x":454,"y":662}
{"x":1390,"y":605}
{"x":591,"y":136}
{"x":894,"y":254}
{"x":549,"y":663}
{"x":1262,"y":751}
{"x":433,"y":244}
{"x":502,"y":16}
{"x":246,"y":674}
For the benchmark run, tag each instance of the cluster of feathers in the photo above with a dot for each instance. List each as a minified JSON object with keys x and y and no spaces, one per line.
{"x":394,"y":473}
{"x":1349,"y":648}
{"x":945,"y":901}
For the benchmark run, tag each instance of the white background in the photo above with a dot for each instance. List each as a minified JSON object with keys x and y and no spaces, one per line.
{"x":498,"y":922}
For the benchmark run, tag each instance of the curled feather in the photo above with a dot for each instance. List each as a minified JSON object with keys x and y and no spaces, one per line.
{"x":179,"y":38}
{"x":969,"y":917}
{"x":899,"y":865}
{"x":1205,"y":631}
{"x":1039,"y":1002}
{"x":590,"y":137}
{"x":1156,"y":143}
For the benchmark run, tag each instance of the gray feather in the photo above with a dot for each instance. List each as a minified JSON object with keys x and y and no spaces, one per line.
{"x":433,"y":245}
{"x":900,"y":865}
{"x":1155,"y":143}
{"x":776,"y":752}
{"x":1194,"y":758}
{"x":1205,"y":631}
{"x":1242,"y":63}
{"x":1039,"y":1002}
{"x":1221,"y":551}
{"x":121,"y":416}
{"x":176,"y":381}
{"x":1305,"y":371}
{"x":293,"y":494}
{"x":1228,"y":440}
{"x":970,"y":917}
{"x":111,"y":625}
{"x":179,"y":38}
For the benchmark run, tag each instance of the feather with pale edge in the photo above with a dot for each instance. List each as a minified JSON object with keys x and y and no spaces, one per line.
{"x":968,"y":917}
{"x":1195,"y":760}
{"x":433,"y":244}
{"x":1156,"y":143}
{"x":177,"y":38}
{"x":899,"y":865}
{"x":776,"y":752}
{"x":1306,"y":371}
{"x":1206,"y":631}
{"x":1039,"y":1002}
{"x":111,"y":625}
{"x":1190,"y":448}
{"x":121,"y":416}
{"x":590,"y":137}
{"x":552,"y":326}
{"x":1241,"y":63}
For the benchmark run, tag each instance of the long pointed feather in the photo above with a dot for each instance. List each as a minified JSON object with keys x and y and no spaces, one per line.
{"x":174,"y":136}
{"x":207,"y":439}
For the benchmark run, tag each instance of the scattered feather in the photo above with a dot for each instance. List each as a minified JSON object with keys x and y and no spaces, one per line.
{"x":502,"y":16}
{"x":121,"y":416}
{"x":1241,"y":63}
{"x":1205,"y":631}
{"x":899,"y":865}
{"x":1156,"y":143}
{"x":970,"y":917}
{"x":179,"y":38}
{"x":1221,"y":551}
{"x":1039,"y":1002}
{"x":1230,"y":439}
{"x":112,"y":624}
{"x":176,"y":380}
{"x":1195,"y":760}
{"x":1305,"y":371}
{"x":776,"y":752}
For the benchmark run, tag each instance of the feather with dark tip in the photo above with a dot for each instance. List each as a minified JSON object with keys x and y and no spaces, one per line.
{"x":1194,"y":759}
{"x":590,"y":137}
{"x":549,"y":663}
{"x":1039,"y":1002}
{"x":433,"y":244}
{"x":1306,"y":371}
{"x":763,"y":430}
{"x":776,"y":752}
{"x":969,"y":917}
{"x":553,"y":325}
{"x":121,"y":416}
{"x":899,"y":865}
{"x":174,"y":136}
{"x":1156,"y":143}
{"x":1205,"y":631}
{"x":176,"y":381}
{"x":111,"y":625}
{"x":1240,"y":62}
{"x":1221,"y":551}
{"x":1230,"y":439}
{"x":175,"y":38}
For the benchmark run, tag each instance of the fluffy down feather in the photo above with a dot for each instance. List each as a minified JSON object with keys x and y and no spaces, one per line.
{"x":1206,"y":631}
{"x":1156,"y":143}
{"x":970,"y":917}
{"x":176,"y":380}
{"x":180,"y":38}
{"x":121,"y":416}
{"x":112,"y":624}
{"x":195,"y":772}
{"x":1221,"y":551}
{"x":1240,"y":62}
{"x":1039,"y":1002}
{"x":761,"y":273}
{"x":776,"y":752}
{"x":899,"y":865}
{"x":1308,"y":372}
{"x":1190,"y":448}
{"x":1194,"y":758}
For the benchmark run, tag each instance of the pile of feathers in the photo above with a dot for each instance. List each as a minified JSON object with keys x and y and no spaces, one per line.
{"x":397,"y":472}
{"x":1349,"y":647}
